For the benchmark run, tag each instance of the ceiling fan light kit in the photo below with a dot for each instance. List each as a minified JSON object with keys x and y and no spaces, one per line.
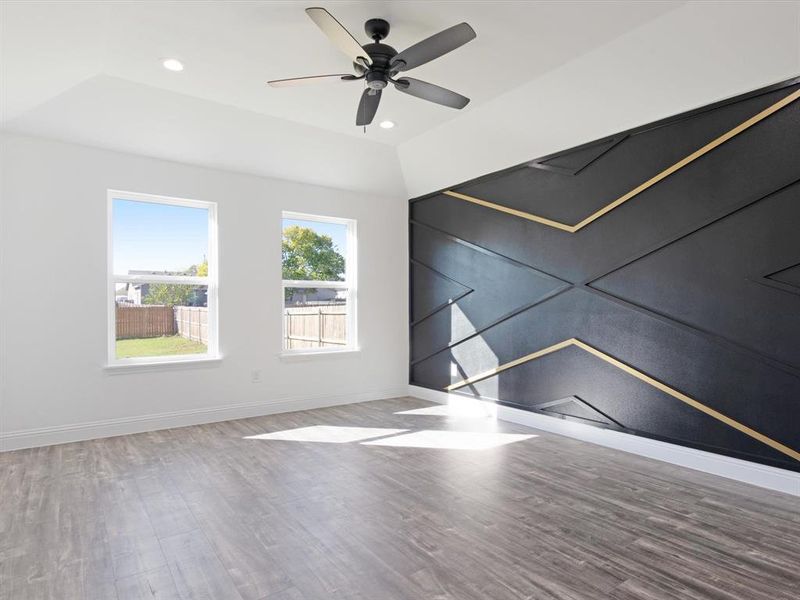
{"x":379,"y":64}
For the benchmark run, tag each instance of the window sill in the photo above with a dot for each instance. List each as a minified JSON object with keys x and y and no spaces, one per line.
{"x":166,"y":365}
{"x":312,"y":354}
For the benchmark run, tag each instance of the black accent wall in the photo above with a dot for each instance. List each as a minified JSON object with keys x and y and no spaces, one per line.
{"x":670,"y":253}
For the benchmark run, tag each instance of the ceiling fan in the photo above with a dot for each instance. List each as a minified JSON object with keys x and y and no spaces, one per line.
{"x":379,"y":64}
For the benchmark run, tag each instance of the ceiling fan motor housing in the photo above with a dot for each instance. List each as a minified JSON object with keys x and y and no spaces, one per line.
{"x":377,"y":75}
{"x":375,"y":80}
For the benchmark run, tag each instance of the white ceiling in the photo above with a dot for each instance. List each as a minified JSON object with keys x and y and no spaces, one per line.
{"x":55,"y":55}
{"x":542,"y":76}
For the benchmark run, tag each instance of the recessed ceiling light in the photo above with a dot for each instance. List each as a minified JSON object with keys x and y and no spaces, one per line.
{"x":386,"y":124}
{"x":172,"y":64}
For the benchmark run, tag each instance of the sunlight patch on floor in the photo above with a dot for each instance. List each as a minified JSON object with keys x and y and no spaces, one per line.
{"x":331,"y":434}
{"x":476,"y":409}
{"x":452,"y":440}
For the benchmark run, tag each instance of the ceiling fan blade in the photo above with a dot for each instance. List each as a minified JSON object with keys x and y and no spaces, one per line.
{"x":368,"y":106}
{"x":340,"y":37}
{"x":433,"y":47}
{"x":313,"y":79}
{"x":431,"y":92}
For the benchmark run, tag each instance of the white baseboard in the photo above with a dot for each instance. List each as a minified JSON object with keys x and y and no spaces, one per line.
{"x":733,"y":468}
{"x":62,"y":434}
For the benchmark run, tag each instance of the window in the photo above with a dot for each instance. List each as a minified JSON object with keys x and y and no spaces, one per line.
{"x":162,"y":279}
{"x":319,"y":284}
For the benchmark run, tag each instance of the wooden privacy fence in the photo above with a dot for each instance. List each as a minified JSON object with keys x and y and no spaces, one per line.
{"x":145,"y":321}
{"x":192,"y":322}
{"x":305,"y":326}
{"x":315,"y":326}
{"x":149,"y":320}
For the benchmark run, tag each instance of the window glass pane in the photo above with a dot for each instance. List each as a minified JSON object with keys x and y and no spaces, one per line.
{"x":315,"y":318}
{"x":313,"y":250}
{"x":161,"y":319}
{"x":153,"y":238}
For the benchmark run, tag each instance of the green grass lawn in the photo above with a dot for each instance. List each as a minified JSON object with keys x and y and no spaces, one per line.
{"x":158,"y":346}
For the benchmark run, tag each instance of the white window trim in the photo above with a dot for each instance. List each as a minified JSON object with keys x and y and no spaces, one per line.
{"x":350,"y":284}
{"x":212,"y":281}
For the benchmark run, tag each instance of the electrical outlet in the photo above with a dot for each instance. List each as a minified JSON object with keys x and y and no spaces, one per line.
{"x":255,"y":376}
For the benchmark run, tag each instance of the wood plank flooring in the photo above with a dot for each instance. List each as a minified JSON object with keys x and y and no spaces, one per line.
{"x":209,"y":512}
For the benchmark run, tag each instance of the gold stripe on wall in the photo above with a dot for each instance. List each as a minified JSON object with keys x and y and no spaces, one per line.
{"x":639,"y":189}
{"x":639,"y":375}
{"x":512,"y":211}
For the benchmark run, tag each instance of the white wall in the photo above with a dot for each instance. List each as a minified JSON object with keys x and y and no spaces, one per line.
{"x":53,"y":305}
{"x":689,"y":57}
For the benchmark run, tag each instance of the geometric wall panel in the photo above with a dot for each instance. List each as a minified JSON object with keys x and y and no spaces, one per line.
{"x":702,"y":279}
{"x":789,"y":276}
{"x":637,"y":282}
{"x":656,"y":384}
{"x":435,"y":291}
{"x":575,"y":408}
{"x":498,"y":287}
{"x":572,"y":163}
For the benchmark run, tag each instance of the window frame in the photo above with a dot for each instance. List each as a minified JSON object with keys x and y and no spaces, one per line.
{"x":211,"y":282}
{"x":350,"y":284}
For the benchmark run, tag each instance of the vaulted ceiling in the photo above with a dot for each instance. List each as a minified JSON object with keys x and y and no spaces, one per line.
{"x":91,"y":73}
